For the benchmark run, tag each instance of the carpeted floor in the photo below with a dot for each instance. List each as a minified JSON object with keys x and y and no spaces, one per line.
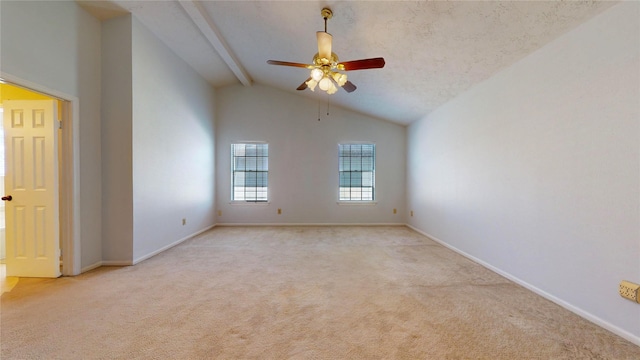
{"x":300,"y":293}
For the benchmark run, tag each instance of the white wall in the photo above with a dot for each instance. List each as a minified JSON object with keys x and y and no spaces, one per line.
{"x":117,"y":117}
{"x":303,"y":158}
{"x":57,"y":46}
{"x":173,"y":146}
{"x":536,"y":171}
{"x":158,"y":145}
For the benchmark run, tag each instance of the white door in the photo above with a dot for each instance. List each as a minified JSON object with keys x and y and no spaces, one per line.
{"x":31,"y":188}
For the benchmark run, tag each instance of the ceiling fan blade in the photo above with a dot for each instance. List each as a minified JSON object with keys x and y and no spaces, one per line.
{"x":324,"y":44}
{"x":303,"y":85}
{"x":373,"y":63}
{"x":349,"y":87}
{"x":287,"y":63}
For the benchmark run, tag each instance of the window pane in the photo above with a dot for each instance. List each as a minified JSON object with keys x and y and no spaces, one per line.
{"x":261,"y":194}
{"x":262,"y":164}
{"x":367,"y":163}
{"x":356,"y":165}
{"x":250,"y":193}
{"x":250,"y":150}
{"x":367,"y":179}
{"x":262,"y":150}
{"x":356,"y":179}
{"x":344,"y":150}
{"x":250,"y":163}
{"x":345,"y":164}
{"x":344,"y":179}
{"x":238,"y":149}
{"x":239,"y":163}
{"x":355,"y":194}
{"x":367,"y":194}
{"x":238,"y":193}
{"x":261,"y":179}
{"x":250,"y":179}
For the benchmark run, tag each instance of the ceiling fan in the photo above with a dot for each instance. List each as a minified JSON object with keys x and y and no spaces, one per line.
{"x":325,"y":67}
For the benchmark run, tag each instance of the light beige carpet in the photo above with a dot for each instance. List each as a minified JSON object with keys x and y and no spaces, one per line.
{"x":299,"y":293}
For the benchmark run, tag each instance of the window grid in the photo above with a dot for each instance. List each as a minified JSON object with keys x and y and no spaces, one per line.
{"x":250,"y":172}
{"x":356,"y":172}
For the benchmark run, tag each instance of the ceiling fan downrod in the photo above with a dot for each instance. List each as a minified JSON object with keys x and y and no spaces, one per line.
{"x":326,"y":14}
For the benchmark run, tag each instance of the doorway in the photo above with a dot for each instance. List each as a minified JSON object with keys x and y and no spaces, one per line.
{"x":12,"y":88}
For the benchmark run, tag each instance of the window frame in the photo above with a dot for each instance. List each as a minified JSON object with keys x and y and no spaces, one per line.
{"x":233,"y":171}
{"x":373,"y":200}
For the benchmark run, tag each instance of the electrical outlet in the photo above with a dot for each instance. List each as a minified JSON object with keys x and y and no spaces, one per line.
{"x":411,"y":212}
{"x":219,"y":212}
{"x":184,"y":221}
{"x":395,"y":211}
{"x":279,"y":211}
{"x":629,"y":290}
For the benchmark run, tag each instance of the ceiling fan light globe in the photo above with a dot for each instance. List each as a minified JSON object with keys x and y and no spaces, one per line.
{"x":317,"y":74}
{"x":325,"y":84}
{"x":311,"y":84}
{"x":340,"y":79}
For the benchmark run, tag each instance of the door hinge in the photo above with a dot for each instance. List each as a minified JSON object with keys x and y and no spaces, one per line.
{"x":59,"y":124}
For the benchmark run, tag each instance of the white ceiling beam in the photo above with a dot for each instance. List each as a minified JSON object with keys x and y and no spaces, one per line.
{"x":203,"y":21}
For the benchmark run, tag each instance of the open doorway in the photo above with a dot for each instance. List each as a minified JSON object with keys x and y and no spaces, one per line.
{"x":65,"y":109}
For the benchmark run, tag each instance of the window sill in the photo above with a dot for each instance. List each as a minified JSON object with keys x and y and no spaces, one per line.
{"x":249,"y":203}
{"x":361,"y":203}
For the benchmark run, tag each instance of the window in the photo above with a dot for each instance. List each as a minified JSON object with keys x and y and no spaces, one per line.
{"x":250,"y":172}
{"x":357,"y":171}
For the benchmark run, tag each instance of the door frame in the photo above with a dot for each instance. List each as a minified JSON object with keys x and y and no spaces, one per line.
{"x":69,"y":186}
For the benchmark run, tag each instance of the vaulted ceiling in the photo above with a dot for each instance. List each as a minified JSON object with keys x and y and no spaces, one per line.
{"x":434,"y":50}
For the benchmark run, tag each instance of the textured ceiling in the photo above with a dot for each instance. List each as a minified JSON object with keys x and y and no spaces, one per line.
{"x":433,"y":50}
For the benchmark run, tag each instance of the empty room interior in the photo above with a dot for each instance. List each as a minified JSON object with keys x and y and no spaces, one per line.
{"x":320,"y":179}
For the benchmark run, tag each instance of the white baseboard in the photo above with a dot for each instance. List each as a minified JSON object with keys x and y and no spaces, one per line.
{"x":116,"y":263}
{"x":104,"y":263}
{"x":310,"y":224}
{"x":574,"y":309}
{"x":164,"y":248}
{"x":91,"y":267}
